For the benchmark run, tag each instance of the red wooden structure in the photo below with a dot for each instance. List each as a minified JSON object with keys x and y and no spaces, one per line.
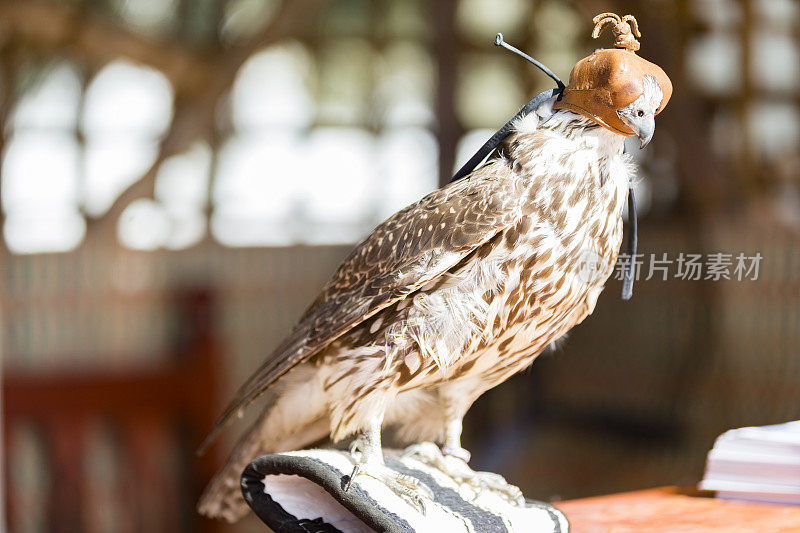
{"x":157,"y":417}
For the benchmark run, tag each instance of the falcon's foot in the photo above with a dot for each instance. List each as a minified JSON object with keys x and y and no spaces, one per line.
{"x":406,"y":487}
{"x":453,"y":463}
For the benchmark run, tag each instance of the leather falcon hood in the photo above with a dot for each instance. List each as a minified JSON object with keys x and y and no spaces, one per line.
{"x":610,"y":79}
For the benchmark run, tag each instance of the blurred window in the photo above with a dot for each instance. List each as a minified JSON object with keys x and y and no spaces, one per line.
{"x":41,"y":184}
{"x":71,"y":154}
{"x":126,"y":110}
{"x":320,"y":136}
{"x":327,"y":138}
{"x":745,"y":59}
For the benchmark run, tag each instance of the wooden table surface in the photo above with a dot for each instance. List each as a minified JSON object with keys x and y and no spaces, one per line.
{"x":676,"y":510}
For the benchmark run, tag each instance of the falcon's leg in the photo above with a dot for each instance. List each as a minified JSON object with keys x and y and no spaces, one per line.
{"x":452,"y":459}
{"x":367,"y":446}
{"x":368,"y":456}
{"x":453,"y":426}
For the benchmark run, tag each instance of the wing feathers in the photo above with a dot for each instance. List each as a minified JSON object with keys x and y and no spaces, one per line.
{"x":407,"y":251}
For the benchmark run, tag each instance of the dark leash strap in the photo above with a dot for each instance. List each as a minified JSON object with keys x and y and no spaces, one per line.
{"x":495,"y":140}
{"x":633,"y":241}
{"x":489,"y":146}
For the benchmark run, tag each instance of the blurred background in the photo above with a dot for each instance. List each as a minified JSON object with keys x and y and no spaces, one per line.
{"x":180,"y":177}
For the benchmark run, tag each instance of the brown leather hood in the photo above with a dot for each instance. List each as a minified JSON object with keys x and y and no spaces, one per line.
{"x":610,"y":79}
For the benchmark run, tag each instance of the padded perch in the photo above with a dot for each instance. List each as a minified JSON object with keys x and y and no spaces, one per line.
{"x":303,"y":491}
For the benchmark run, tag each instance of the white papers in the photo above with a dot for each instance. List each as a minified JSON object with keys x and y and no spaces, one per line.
{"x":756,"y":464}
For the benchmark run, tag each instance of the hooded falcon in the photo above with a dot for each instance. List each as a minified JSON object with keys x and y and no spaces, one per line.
{"x":459,"y":291}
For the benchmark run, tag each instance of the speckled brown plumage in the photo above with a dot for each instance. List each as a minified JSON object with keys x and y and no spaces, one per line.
{"x":447,"y":298}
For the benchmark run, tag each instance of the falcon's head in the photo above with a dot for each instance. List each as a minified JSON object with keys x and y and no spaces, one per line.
{"x":640,"y":115}
{"x":615,"y":87}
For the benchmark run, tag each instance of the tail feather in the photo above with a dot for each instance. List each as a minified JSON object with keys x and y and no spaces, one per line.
{"x":295,"y":419}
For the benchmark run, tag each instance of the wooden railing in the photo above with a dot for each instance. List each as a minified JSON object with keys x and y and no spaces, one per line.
{"x":149,"y":421}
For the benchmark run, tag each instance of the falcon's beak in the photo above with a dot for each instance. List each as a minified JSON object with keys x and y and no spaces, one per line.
{"x":645,"y":130}
{"x":642,"y":123}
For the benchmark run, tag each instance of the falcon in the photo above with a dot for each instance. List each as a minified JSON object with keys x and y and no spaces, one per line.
{"x":459,"y":291}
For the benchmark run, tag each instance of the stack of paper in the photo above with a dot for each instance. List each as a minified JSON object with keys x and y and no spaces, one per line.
{"x":756,"y":463}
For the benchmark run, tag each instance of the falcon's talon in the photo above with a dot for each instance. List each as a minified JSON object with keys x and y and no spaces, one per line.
{"x":457,"y":469}
{"x":488,"y":481}
{"x":407,"y":480}
{"x":427,"y":452}
{"x":459,"y":453}
{"x":408,"y":488}
{"x":353,"y":474}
